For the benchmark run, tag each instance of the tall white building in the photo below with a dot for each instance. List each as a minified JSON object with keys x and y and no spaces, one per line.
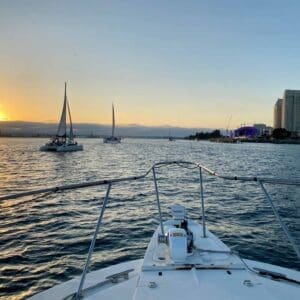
{"x":277,"y":122}
{"x":290,"y":119}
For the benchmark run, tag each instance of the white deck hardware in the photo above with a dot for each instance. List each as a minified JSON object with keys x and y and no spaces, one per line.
{"x":177,"y":244}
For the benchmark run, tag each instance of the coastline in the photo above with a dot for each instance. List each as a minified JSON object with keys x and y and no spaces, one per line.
{"x":245,"y":140}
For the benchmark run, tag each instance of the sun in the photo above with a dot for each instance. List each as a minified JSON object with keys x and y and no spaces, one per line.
{"x":3,"y":117}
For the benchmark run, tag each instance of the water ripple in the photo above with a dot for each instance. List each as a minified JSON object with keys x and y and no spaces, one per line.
{"x":44,"y":240}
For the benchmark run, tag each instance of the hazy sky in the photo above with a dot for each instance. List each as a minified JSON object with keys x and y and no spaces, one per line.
{"x":182,"y":63}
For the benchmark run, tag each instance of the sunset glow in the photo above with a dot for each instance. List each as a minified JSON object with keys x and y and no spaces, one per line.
{"x":3,"y":117}
{"x":195,"y":65}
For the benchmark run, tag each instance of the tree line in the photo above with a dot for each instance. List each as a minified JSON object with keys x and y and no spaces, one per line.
{"x":205,"y":135}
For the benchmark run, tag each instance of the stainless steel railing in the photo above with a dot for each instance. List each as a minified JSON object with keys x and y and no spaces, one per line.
{"x":132,"y":178}
{"x":186,"y":164}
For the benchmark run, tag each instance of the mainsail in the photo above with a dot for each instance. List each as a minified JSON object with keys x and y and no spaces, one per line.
{"x":71,"y":137}
{"x":62,"y":127}
{"x":113,"y":121}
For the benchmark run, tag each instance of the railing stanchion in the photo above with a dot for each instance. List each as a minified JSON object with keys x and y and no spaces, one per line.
{"x":158,"y":202}
{"x":284,"y":228}
{"x":92,"y":245}
{"x":202,"y":203}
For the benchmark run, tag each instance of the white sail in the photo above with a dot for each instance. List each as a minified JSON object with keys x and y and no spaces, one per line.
{"x":112,"y":139}
{"x":62,"y":127}
{"x":113,"y":121}
{"x":71,"y":137}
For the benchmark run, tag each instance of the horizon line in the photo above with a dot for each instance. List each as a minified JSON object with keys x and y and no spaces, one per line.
{"x":107,"y":124}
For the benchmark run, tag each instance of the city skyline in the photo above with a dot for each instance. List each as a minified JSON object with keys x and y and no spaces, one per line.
{"x":162,"y":63}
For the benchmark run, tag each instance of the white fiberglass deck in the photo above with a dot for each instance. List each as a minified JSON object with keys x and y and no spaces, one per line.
{"x":211,"y":271}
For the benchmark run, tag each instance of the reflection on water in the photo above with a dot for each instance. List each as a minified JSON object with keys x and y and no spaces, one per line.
{"x":44,"y":240}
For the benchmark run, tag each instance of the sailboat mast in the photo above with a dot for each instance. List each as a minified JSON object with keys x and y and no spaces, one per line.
{"x":113,"y":121}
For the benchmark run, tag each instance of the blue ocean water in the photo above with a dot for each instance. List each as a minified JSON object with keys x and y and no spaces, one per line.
{"x":44,"y":240}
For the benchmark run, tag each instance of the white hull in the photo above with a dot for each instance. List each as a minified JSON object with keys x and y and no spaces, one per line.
{"x":62,"y":148}
{"x":70,"y":287}
{"x":112,"y":140}
{"x":212,"y":272}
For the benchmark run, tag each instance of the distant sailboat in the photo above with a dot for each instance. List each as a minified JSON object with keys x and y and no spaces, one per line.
{"x":63,"y":142}
{"x":112,"y":139}
{"x":171,"y":139}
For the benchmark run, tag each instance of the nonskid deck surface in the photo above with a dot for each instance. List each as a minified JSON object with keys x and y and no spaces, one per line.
{"x":211,"y":271}
{"x":182,"y":284}
{"x":215,"y":284}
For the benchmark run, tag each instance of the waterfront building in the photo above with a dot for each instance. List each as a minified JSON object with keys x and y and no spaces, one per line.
{"x":246,"y":132}
{"x":277,"y":120}
{"x":290,"y":119}
{"x":261,"y":128}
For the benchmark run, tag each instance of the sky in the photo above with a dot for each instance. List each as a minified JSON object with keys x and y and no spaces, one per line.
{"x":178,"y":63}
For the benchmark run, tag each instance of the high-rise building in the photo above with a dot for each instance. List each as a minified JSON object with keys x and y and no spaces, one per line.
{"x":277,"y":123}
{"x":290,"y":119}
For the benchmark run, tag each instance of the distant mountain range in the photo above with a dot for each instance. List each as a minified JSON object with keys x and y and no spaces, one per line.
{"x":22,"y":128}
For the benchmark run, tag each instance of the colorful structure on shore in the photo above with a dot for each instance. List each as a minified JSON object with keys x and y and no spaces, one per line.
{"x":246,"y":132}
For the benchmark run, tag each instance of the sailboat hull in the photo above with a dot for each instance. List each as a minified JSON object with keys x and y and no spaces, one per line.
{"x":112,"y":140}
{"x":62,"y":148}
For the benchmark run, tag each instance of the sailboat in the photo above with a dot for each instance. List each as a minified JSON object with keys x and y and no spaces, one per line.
{"x":112,"y":139}
{"x":171,"y":139}
{"x":63,"y":142}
